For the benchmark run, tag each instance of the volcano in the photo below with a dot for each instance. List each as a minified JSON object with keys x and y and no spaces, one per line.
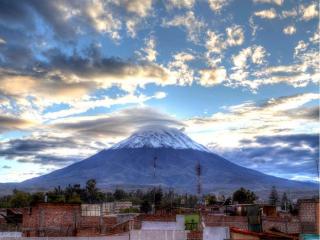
{"x":163,"y":157}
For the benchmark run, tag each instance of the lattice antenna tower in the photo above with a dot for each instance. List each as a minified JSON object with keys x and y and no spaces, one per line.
{"x":199,"y":173}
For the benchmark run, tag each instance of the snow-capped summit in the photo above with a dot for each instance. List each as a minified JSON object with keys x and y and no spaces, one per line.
{"x":159,"y":137}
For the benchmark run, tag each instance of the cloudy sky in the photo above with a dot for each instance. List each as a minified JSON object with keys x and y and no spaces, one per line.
{"x":239,"y":76}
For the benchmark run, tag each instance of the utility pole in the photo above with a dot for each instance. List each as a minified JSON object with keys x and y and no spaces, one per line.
{"x":199,"y":187}
{"x":154,"y":167}
{"x":154,"y":188}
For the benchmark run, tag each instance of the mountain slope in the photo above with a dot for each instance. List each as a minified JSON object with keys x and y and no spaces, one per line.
{"x":130,"y":164}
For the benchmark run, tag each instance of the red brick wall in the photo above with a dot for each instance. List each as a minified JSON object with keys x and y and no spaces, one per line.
{"x":226,"y":221}
{"x":307,"y":212}
{"x":62,"y":220}
{"x":286,"y":225}
{"x":318,"y":218}
{"x":309,"y":216}
{"x":195,"y":235}
{"x":48,"y":219}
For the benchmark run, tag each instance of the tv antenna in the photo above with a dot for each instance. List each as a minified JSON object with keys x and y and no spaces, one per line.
{"x":154,"y":188}
{"x":154,"y":167}
{"x":199,"y":185}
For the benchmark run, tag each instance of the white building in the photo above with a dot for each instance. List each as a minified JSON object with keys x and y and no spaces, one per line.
{"x":104,"y":209}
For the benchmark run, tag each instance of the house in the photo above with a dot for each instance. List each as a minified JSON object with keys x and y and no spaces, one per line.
{"x":211,"y":220}
{"x":51,"y":219}
{"x":309,"y":215}
{"x":10,"y":219}
{"x":160,"y":227}
{"x":103,"y":209}
{"x":63,"y":219}
{"x":268,"y":210}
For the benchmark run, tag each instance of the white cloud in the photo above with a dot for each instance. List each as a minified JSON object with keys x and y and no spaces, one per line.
{"x":300,"y":48}
{"x":211,"y":77}
{"x":180,"y":4}
{"x":103,"y":20}
{"x":249,"y":119}
{"x":117,"y":124}
{"x":309,"y":12}
{"x":254,"y":27}
{"x":303,"y":71}
{"x":2,"y":41}
{"x":9,"y":122}
{"x":305,"y":12}
{"x":315,"y":39}
{"x":267,"y":14}
{"x":84,"y":105}
{"x":289,"y":13}
{"x":258,"y":55}
{"x":215,"y":42}
{"x":136,"y":12}
{"x":189,"y":21}
{"x":137,"y":7}
{"x":150,"y":49}
{"x":180,"y":69}
{"x":131,"y":25}
{"x":77,"y":83}
{"x":289,"y":30}
{"x":255,"y":53}
{"x":160,"y":95}
{"x":235,"y":35}
{"x":239,"y":77}
{"x":278,"y":2}
{"x":217,"y":5}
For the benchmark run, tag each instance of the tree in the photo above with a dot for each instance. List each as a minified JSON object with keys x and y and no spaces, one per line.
{"x":211,"y":199}
{"x":5,"y":201}
{"x":92,"y":192}
{"x":274,"y":197}
{"x":75,"y":198}
{"x":157,"y":196}
{"x":109,"y":197}
{"x":91,"y":186}
{"x":191,"y":201}
{"x":119,"y":194}
{"x":20,"y":199}
{"x":37,"y":197}
{"x":243,"y":195}
{"x":73,"y":193}
{"x":57,"y":198}
{"x":145,"y":206}
{"x":228,"y":201}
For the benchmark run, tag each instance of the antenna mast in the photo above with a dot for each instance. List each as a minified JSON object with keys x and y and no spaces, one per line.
{"x":154,"y":188}
{"x":199,"y":172}
{"x":154,"y":167}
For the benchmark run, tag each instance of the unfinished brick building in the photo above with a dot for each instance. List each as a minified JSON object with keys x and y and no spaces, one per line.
{"x":56,"y":219}
{"x":309,"y":215}
{"x":51,"y":219}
